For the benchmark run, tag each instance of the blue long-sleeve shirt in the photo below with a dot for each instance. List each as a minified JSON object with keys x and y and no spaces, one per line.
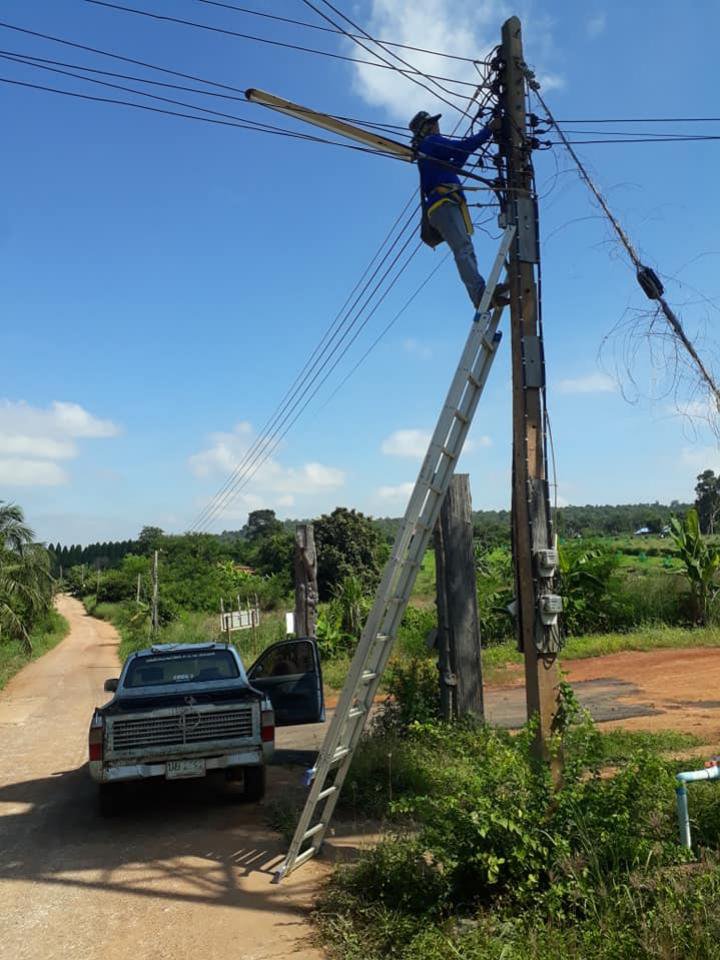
{"x":449,"y":150}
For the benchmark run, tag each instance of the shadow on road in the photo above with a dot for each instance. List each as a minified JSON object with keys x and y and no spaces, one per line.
{"x":180,"y":841}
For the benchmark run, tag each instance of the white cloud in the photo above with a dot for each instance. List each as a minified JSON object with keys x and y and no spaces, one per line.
{"x":272,"y":485}
{"x":416,"y":348}
{"x":400,"y":492}
{"x":33,"y":438}
{"x":591,"y":383}
{"x":406,"y":443}
{"x":414,"y":443}
{"x":31,"y":473}
{"x":467,"y":28}
{"x":701,"y":458}
{"x":596,"y":24}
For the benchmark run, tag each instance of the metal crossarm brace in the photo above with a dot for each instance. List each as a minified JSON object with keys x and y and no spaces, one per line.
{"x":373,"y":652}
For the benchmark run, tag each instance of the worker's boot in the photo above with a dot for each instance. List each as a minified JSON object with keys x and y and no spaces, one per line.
{"x":501,"y":296}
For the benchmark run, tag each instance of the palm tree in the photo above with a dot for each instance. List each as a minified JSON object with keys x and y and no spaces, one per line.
{"x":26,"y":585}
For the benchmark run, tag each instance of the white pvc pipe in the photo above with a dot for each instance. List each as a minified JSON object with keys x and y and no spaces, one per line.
{"x":681,"y":795}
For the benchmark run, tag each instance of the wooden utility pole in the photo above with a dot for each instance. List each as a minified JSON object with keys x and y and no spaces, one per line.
{"x":306,"y":586}
{"x":154,"y":618}
{"x":461,"y":688}
{"x":531,"y":523}
{"x":137,"y":592}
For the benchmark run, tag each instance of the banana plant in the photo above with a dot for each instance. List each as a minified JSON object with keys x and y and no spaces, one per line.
{"x":702,"y":562}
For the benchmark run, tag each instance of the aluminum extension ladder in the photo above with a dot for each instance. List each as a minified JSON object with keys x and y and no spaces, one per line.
{"x":326,"y":777}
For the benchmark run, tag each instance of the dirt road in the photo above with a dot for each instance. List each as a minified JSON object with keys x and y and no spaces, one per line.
{"x":653,"y":690}
{"x":181,"y":874}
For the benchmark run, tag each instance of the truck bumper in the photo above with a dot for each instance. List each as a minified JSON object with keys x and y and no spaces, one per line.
{"x":116,"y":772}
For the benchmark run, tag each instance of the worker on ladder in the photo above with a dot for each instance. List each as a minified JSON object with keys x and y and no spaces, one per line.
{"x":445,"y":214}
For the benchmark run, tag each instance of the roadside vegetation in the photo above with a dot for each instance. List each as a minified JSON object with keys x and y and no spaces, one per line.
{"x":29,"y":626}
{"x":483,"y":859}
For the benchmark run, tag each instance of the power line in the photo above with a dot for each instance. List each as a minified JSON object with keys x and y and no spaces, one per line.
{"x":152,"y":15}
{"x":31,"y":60}
{"x":254,"y":459}
{"x":315,"y":354}
{"x":341,"y":318}
{"x":647,"y":120}
{"x":660,"y":139}
{"x":237,"y":122}
{"x":316,"y":26}
{"x":654,"y":289}
{"x":274,"y":440}
{"x":372,"y":52}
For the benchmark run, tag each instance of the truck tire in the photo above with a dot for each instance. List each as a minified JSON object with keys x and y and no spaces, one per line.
{"x":109,"y":800}
{"x":254,"y":783}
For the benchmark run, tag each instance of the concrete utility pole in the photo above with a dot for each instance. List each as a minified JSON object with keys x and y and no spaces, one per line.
{"x":155,"y":623}
{"x":461,"y":688}
{"x":137,"y":592}
{"x":306,"y":586}
{"x":533,"y":540}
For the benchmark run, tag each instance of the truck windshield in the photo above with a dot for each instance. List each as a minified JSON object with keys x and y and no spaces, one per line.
{"x":196,"y":666}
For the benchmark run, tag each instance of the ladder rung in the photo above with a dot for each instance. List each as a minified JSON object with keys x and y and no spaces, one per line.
{"x":472,"y":379}
{"x":313,"y":830}
{"x":367,"y":676}
{"x":448,"y":453}
{"x":438,"y":490}
{"x":383,"y":638}
{"x":328,"y":791}
{"x":302,"y":857}
{"x":340,"y":752}
{"x":356,"y":712}
{"x":461,"y":416}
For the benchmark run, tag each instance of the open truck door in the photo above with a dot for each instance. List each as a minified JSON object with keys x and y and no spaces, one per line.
{"x":289,"y":674}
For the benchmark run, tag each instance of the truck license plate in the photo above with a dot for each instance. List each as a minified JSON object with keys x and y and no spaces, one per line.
{"x":182,"y":769}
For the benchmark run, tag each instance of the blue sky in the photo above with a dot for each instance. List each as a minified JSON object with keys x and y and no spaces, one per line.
{"x":162,"y":281}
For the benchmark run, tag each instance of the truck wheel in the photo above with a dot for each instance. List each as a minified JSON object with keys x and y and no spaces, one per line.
{"x":254,"y":783}
{"x":109,"y":800}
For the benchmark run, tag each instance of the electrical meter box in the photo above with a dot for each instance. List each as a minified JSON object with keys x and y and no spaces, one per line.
{"x":547,"y":561}
{"x":551,"y":605}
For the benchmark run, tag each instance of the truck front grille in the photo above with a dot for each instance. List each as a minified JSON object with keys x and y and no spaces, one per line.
{"x":186,"y":728}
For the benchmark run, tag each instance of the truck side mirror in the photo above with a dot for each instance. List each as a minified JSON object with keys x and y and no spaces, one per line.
{"x":111,"y":685}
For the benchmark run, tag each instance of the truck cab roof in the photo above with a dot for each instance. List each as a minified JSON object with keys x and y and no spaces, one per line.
{"x":160,"y":648}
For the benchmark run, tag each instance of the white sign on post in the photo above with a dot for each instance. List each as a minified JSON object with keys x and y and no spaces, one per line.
{"x":289,"y":623}
{"x":239,"y":620}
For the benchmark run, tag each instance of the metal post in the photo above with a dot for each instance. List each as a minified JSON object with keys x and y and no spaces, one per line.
{"x":531,"y":527}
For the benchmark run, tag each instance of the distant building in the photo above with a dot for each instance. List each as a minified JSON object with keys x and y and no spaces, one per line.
{"x":643,"y":532}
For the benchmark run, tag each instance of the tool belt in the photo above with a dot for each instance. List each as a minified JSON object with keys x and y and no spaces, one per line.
{"x":449,"y":193}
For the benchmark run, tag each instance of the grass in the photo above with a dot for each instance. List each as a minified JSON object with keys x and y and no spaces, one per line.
{"x":484,"y":861}
{"x":424,"y":589}
{"x":497,"y":659}
{"x":190,"y":627}
{"x":620,"y":745}
{"x":44,"y":637}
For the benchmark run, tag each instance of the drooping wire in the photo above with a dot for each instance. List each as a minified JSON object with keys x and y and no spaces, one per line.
{"x":670,"y":316}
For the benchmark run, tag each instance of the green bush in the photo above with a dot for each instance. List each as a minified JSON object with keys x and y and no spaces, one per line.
{"x":490,"y":861}
{"x":416,"y":627}
{"x":414,"y":693}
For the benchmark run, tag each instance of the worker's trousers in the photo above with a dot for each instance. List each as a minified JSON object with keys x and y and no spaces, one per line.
{"x":448,"y":220}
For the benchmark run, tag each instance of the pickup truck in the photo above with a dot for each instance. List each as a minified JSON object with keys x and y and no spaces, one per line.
{"x":192,"y":710}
